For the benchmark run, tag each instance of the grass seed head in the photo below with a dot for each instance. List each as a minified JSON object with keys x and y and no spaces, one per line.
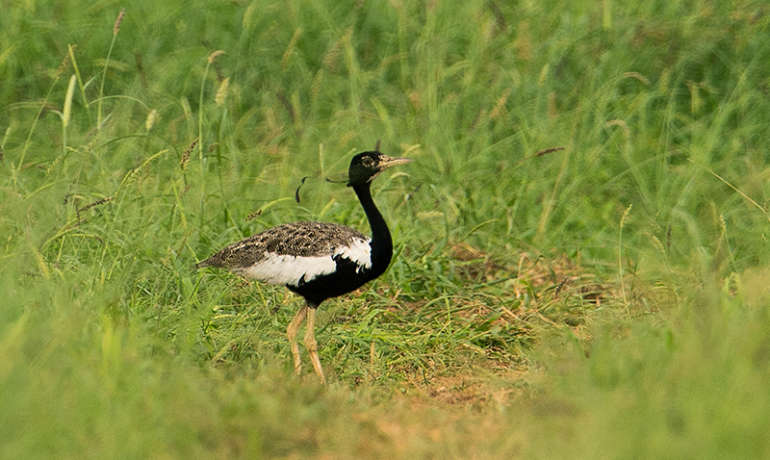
{"x":118,"y":21}
{"x":186,"y":155}
{"x":221,"y":95}
{"x":152,"y":117}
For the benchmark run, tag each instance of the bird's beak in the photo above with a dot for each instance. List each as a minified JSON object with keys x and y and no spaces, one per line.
{"x":386,"y":161}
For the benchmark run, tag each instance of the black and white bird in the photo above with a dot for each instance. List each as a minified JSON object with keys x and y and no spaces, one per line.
{"x":317,"y":260}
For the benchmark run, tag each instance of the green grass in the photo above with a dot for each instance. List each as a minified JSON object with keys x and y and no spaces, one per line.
{"x":605,"y":300}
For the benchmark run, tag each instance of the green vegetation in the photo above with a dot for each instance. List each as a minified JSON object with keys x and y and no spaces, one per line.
{"x":607,"y":300}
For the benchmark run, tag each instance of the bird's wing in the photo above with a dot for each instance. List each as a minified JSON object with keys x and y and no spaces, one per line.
{"x":293,"y":253}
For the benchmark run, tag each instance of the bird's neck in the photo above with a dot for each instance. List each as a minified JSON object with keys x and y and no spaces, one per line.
{"x":382,"y":245}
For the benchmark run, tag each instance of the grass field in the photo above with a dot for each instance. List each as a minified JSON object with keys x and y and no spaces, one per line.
{"x":581,"y":265}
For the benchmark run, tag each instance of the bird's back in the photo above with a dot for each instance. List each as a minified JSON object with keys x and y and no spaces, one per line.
{"x":293,"y":254}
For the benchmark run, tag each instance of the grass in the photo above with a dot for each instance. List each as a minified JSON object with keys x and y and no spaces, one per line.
{"x":606,"y":299}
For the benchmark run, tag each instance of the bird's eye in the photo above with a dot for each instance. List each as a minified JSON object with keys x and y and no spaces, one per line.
{"x":368,"y":162}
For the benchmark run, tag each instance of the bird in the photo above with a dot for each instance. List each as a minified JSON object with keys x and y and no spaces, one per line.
{"x":317,"y":260}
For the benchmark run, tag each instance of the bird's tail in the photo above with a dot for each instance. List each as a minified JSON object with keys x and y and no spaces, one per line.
{"x":202,"y":264}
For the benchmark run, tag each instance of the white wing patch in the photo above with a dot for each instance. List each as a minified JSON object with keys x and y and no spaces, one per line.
{"x":287,"y":269}
{"x":283,"y":269}
{"x":359,"y":251}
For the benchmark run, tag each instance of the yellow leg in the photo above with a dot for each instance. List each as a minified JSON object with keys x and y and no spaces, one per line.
{"x":312,"y":346}
{"x":291,"y":333}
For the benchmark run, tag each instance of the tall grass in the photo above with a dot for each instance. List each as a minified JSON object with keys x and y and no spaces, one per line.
{"x":604,"y":299}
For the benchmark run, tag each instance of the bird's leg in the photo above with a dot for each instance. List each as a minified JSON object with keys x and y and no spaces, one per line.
{"x":291,"y":333}
{"x":312,"y":346}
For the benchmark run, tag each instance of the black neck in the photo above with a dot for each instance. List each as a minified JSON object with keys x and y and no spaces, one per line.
{"x":382,"y":245}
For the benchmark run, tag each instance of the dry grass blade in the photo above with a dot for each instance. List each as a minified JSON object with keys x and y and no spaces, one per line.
{"x":214,"y":55}
{"x":95,"y":203}
{"x":547,"y":151}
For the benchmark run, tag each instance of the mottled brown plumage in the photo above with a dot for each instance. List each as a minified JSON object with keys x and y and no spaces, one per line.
{"x":294,"y":239}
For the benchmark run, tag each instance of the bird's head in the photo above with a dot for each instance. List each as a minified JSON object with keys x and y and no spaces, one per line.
{"x":366,"y":165}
